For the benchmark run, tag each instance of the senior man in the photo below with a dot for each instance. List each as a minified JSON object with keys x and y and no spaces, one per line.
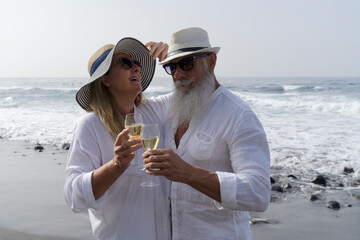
{"x":216,"y":155}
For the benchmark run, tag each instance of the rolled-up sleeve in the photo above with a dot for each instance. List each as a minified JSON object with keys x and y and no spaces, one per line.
{"x":248,"y":187}
{"x":83,"y":159}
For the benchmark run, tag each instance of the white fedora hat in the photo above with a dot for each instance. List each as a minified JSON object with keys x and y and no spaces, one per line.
{"x":100,"y":62}
{"x":187,"y":42}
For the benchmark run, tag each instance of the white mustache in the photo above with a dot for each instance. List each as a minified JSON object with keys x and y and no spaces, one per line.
{"x":183,"y":83}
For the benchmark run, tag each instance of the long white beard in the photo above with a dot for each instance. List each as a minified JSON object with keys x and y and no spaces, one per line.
{"x":189,"y":102}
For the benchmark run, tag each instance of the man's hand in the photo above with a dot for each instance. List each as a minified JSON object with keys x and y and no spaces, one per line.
{"x":164,"y":162}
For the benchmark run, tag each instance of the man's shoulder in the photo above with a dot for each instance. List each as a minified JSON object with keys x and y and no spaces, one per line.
{"x":157,"y":99}
{"x":233,"y":101}
{"x":155,"y":103}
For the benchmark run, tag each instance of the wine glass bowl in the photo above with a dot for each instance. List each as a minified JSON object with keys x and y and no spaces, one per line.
{"x":133,"y":121}
{"x":150,"y":136}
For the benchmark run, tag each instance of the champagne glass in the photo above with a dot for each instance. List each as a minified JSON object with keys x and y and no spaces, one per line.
{"x":133,"y":121}
{"x":150,"y":136}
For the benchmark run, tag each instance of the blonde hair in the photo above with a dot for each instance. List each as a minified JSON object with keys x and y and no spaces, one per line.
{"x":103,"y":105}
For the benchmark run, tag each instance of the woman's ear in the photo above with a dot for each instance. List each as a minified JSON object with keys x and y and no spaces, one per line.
{"x":105,"y":80}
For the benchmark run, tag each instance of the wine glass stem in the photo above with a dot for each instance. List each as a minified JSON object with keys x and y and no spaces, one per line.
{"x":136,"y":163}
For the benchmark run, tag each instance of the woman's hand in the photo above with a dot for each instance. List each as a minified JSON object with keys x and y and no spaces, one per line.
{"x":157,"y":50}
{"x":124,"y":150}
{"x":103,"y":177}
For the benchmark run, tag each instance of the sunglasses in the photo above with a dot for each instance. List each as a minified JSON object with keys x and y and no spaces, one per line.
{"x":185,"y":64}
{"x":127,"y":63}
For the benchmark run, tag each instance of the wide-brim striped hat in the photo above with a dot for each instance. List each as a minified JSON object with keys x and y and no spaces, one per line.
{"x":100,"y":62}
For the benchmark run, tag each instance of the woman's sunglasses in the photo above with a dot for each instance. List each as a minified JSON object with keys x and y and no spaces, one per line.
{"x":185,"y":64}
{"x":127,"y":63}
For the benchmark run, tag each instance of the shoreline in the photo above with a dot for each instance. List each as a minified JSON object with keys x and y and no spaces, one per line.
{"x":33,"y":206}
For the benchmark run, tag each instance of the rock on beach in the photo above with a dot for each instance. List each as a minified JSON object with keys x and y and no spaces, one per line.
{"x":319,"y":180}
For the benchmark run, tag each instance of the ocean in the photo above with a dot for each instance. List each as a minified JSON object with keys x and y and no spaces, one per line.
{"x":312,"y":124}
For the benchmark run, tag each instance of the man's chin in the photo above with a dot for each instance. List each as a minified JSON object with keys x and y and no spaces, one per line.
{"x":184,"y":88}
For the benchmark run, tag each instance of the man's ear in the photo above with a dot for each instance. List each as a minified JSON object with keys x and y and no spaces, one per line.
{"x":105,"y":80}
{"x":212,"y":61}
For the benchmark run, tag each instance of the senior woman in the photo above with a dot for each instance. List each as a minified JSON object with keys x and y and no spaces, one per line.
{"x":98,"y":176}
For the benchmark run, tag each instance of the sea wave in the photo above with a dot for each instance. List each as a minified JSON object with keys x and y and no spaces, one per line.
{"x":313,"y":103}
{"x":297,"y":88}
{"x":28,"y":88}
{"x":276,"y":89}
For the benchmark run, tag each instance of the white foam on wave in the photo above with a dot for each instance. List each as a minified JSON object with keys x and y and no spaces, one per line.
{"x":310,"y":134}
{"x":292,"y":87}
{"x":44,"y":125}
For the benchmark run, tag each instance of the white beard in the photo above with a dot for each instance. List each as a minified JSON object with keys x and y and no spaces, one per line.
{"x":189,"y":102}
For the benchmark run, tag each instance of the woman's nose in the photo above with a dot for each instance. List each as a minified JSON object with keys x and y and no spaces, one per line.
{"x":136,"y":68}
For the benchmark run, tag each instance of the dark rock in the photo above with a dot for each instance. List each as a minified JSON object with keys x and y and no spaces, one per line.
{"x":333,"y":205}
{"x":277,"y":188}
{"x":38,"y":147}
{"x":258,"y":220}
{"x":341,"y":185}
{"x":272,"y":180}
{"x":319,"y":180}
{"x":348,"y":170}
{"x":292,"y":176}
{"x":314,"y":198}
{"x":66,"y":146}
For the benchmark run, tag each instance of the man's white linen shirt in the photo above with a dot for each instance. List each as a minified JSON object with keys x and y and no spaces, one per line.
{"x":226,"y":137}
{"x":127,"y":210}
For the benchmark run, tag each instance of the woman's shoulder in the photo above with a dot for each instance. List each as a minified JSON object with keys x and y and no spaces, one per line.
{"x":89,"y":118}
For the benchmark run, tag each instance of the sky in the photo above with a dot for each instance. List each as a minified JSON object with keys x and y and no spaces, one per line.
{"x":258,"y":38}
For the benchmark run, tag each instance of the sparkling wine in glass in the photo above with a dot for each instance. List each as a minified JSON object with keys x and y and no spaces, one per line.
{"x":150,"y":136}
{"x":133,"y":121}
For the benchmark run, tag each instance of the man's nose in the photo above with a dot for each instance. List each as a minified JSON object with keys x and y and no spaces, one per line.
{"x":178,"y":74}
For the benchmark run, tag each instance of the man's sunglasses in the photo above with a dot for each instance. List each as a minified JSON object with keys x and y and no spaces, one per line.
{"x":185,"y":64}
{"x":127,"y":63}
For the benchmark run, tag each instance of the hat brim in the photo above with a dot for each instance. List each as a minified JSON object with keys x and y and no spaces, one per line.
{"x":183,"y":54}
{"x":137,"y":51}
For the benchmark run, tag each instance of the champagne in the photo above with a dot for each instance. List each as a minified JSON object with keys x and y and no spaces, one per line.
{"x":134,"y":131}
{"x":150,"y":143}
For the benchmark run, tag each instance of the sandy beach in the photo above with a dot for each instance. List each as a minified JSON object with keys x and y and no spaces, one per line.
{"x":32,"y":204}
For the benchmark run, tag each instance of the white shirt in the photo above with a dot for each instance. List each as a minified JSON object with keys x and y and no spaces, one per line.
{"x":126,"y":210}
{"x":226,"y":137}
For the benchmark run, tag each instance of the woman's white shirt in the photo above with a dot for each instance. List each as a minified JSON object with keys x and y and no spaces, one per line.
{"x":126,"y":210}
